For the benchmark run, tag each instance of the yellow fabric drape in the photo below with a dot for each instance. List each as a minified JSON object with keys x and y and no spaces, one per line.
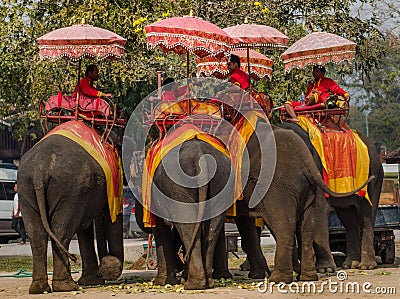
{"x":343,"y":155}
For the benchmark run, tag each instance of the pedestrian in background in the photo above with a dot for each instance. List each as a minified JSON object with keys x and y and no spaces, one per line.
{"x":17,"y":223}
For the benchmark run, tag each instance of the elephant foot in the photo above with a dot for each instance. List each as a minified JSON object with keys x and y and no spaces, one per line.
{"x":210,"y":283}
{"x":257,"y":274}
{"x":222,"y":274}
{"x":309,"y":276}
{"x":195,"y":284}
{"x":371,"y":265}
{"x":162,"y":281}
{"x":277,"y":277}
{"x":350,"y":264}
{"x":90,"y":279}
{"x":64,"y":285}
{"x":38,"y":287}
{"x":326,"y":267}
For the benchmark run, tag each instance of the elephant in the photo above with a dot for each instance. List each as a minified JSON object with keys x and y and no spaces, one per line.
{"x":355,"y":213}
{"x":62,"y":188}
{"x":288,"y":204}
{"x":201,"y":229}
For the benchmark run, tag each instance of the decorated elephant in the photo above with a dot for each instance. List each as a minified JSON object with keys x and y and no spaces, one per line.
{"x":62,"y":188}
{"x":287,"y":205}
{"x":185,"y":189}
{"x":356,"y":214}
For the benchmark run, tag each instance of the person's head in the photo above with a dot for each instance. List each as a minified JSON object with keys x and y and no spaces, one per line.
{"x":233,"y":62}
{"x":318,"y":71}
{"x":92,"y":72}
{"x":15,"y":187}
{"x":168,"y":84}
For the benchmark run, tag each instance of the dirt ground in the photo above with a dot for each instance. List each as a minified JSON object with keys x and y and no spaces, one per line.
{"x":383,"y":282}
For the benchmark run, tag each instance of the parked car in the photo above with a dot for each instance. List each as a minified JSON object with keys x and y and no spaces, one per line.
{"x":130,"y":226}
{"x":8,"y":178}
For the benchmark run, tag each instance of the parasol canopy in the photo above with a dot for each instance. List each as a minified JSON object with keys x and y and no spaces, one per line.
{"x":188,"y":34}
{"x":78,"y":41}
{"x":260,"y":65}
{"x":254,"y":35}
{"x":318,"y":48}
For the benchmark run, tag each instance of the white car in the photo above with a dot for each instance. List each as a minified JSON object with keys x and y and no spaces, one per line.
{"x":8,"y":178}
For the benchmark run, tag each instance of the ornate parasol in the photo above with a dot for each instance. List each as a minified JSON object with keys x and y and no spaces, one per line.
{"x":260,"y":65}
{"x":188,"y":34}
{"x":254,"y":36}
{"x":318,"y":48}
{"x":78,"y":41}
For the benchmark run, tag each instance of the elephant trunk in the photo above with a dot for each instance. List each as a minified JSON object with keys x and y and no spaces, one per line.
{"x":202,"y":197}
{"x":40,"y":197}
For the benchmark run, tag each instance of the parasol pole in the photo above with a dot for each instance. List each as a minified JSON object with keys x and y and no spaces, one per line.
{"x":78,"y":91}
{"x":187,"y":82}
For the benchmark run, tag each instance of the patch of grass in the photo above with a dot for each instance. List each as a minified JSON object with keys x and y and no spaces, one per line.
{"x":13,"y":264}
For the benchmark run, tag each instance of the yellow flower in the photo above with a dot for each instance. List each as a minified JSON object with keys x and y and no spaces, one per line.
{"x":257,"y":4}
{"x":166,"y":14}
{"x":265,"y":10}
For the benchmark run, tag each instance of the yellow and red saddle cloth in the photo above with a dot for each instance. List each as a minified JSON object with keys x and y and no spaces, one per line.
{"x":160,"y":150}
{"x":344,"y":157}
{"x":103,"y":153}
{"x":238,"y":140}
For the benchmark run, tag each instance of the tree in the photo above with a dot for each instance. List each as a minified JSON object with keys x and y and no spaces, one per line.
{"x":25,"y":80}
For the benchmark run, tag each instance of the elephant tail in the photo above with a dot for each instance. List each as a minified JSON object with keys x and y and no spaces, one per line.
{"x":319,"y":181}
{"x":40,"y":197}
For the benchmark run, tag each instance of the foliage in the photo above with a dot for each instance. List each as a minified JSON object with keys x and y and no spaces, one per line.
{"x":25,"y":80}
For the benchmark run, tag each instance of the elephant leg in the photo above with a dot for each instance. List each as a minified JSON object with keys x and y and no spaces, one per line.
{"x":284,"y":230}
{"x":324,"y":258}
{"x":307,"y":258}
{"x":212,"y":232}
{"x":38,"y":241}
{"x":62,"y":280}
{"x":351,"y":222}
{"x":251,"y":246}
{"x":90,"y":266}
{"x":368,"y":261}
{"x":221,"y":258}
{"x":165,"y":254}
{"x":196,"y":275}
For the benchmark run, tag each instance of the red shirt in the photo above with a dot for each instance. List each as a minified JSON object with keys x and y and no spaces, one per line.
{"x":325,"y":86}
{"x":238,"y":77}
{"x":86,"y":87}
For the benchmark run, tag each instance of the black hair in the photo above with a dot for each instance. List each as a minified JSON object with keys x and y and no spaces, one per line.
{"x":320,"y":67}
{"x":90,"y":68}
{"x":235,"y":58}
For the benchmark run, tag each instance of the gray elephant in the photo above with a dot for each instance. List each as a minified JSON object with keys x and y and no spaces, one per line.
{"x":355,"y":213}
{"x":62,"y":188}
{"x":191,"y":210}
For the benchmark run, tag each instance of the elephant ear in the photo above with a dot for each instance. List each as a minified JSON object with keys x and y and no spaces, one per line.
{"x":110,"y":268}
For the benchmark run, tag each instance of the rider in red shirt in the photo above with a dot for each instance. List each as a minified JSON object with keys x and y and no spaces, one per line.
{"x":237,"y":76}
{"x":85,"y":85}
{"x":317,"y":92}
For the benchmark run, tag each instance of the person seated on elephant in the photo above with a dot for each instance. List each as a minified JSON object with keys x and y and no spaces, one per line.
{"x":171,"y":92}
{"x":87,"y":92}
{"x":317,"y":92}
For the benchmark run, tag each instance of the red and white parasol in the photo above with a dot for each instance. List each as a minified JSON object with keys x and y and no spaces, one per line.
{"x":318,"y":48}
{"x":78,"y":41}
{"x":188,"y":34}
{"x":260,"y":65}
